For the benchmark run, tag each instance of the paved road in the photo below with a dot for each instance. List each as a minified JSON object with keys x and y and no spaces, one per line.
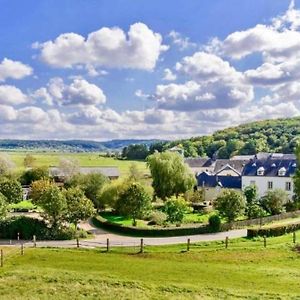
{"x":101,"y":236}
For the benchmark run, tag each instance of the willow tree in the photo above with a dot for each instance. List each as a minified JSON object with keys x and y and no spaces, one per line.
{"x":171,"y":176}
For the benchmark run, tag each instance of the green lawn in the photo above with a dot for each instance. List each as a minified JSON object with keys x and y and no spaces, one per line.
{"x":85,"y":159}
{"x":208,"y":271}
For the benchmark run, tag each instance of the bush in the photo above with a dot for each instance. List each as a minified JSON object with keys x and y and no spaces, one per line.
{"x":175,"y":208}
{"x":157,"y":218}
{"x":214,"y":222}
{"x":273,"y":231}
{"x":149,"y":232}
{"x":28,"y":227}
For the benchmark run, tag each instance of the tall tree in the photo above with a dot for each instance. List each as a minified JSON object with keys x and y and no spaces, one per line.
{"x":29,"y":161}
{"x":90,"y":184}
{"x":3,"y":206}
{"x":12,"y":190}
{"x":79,"y":207}
{"x":38,"y":188}
{"x":134,"y":202}
{"x":6,"y":164}
{"x":69,"y":166}
{"x":171,"y":176}
{"x":54,"y":205}
{"x":230,"y":204}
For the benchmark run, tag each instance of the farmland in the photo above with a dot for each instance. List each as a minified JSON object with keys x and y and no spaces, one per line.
{"x":85,"y":159}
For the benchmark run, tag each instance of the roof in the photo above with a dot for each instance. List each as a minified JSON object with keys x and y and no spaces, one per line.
{"x":271,"y":165}
{"x":237,"y":165}
{"x":198,"y":162}
{"x":230,"y":182}
{"x":106,"y":171}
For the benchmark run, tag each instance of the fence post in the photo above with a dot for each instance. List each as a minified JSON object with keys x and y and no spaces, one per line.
{"x":77,"y":242}
{"x":226,"y":242}
{"x":188,"y":244}
{"x":22,"y":249}
{"x":34,"y":241}
{"x":265,"y":241}
{"x":142,"y":246}
{"x":107,"y":245}
{"x":18,"y":236}
{"x":294,"y":237}
{"x":1,"y":258}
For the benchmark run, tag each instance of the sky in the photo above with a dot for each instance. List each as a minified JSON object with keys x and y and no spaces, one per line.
{"x":101,"y":70}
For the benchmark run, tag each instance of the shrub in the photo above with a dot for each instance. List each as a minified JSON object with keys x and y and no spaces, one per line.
{"x":273,"y":231}
{"x":175,"y":208}
{"x":157,"y":218}
{"x":214,"y":222}
{"x":274,"y":201}
{"x":28,"y":227}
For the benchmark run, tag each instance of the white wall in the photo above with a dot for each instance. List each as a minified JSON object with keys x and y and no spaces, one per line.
{"x":262,"y":183}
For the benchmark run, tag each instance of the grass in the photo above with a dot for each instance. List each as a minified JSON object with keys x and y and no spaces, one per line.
{"x":23,"y":205}
{"x":85,"y":159}
{"x":245,"y":270}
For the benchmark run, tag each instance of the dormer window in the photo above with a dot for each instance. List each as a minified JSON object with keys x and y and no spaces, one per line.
{"x":254,"y":165}
{"x":282,"y":171}
{"x":294,"y":165}
{"x":273,"y":165}
{"x":260,"y":171}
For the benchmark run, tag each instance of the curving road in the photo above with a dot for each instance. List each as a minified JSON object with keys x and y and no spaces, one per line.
{"x":100,"y":237}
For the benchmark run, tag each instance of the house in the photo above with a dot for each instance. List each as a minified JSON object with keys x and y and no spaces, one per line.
{"x":213,"y":183}
{"x":269,"y":172}
{"x":110,"y":172}
{"x":200,"y":164}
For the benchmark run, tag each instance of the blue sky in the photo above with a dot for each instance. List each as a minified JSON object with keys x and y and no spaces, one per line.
{"x":152,"y":69}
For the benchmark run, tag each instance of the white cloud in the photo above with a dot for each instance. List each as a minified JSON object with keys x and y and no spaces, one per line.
{"x":11,"y":95}
{"x":214,"y":84}
{"x":13,"y":69}
{"x":169,"y":75}
{"x":180,"y":41}
{"x":79,"y":92}
{"x":109,"y":47}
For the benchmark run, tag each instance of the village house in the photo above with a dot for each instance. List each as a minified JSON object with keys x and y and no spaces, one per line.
{"x":270,"y":172}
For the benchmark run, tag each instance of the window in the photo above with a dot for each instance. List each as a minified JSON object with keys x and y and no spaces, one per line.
{"x":252,"y":182}
{"x":282,"y":171}
{"x":288,"y":186}
{"x":260,"y":171}
{"x":270,"y":185}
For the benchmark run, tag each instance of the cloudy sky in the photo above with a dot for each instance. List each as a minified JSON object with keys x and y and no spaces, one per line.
{"x":90,"y":69}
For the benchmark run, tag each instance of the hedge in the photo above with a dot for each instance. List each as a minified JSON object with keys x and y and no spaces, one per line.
{"x":28,"y":227}
{"x":149,"y":232}
{"x":273,"y":231}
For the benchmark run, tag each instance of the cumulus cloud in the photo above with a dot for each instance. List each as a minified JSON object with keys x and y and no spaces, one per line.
{"x":78,"y":92}
{"x":182,"y":42}
{"x":169,"y":75}
{"x":11,"y":95}
{"x":13,"y":69}
{"x":109,"y":47}
{"x":214,"y":84}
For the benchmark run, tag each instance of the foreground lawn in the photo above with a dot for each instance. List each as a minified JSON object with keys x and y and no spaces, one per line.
{"x":208,"y":271}
{"x":85,"y":159}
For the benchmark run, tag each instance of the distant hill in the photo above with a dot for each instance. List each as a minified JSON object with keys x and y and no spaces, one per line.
{"x":279,"y":135}
{"x":70,"y":145}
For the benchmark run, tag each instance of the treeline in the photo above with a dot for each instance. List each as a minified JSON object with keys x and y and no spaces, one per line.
{"x":281,"y":135}
{"x":70,"y":145}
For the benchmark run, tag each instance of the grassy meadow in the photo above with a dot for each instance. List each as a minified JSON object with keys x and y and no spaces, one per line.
{"x":246,"y":270}
{"x":85,"y":159}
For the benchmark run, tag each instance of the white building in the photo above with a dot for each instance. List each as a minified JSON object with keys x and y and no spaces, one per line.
{"x":274,"y":171}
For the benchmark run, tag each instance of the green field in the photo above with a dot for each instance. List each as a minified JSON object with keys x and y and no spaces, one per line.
{"x":85,"y":159}
{"x":208,"y":271}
